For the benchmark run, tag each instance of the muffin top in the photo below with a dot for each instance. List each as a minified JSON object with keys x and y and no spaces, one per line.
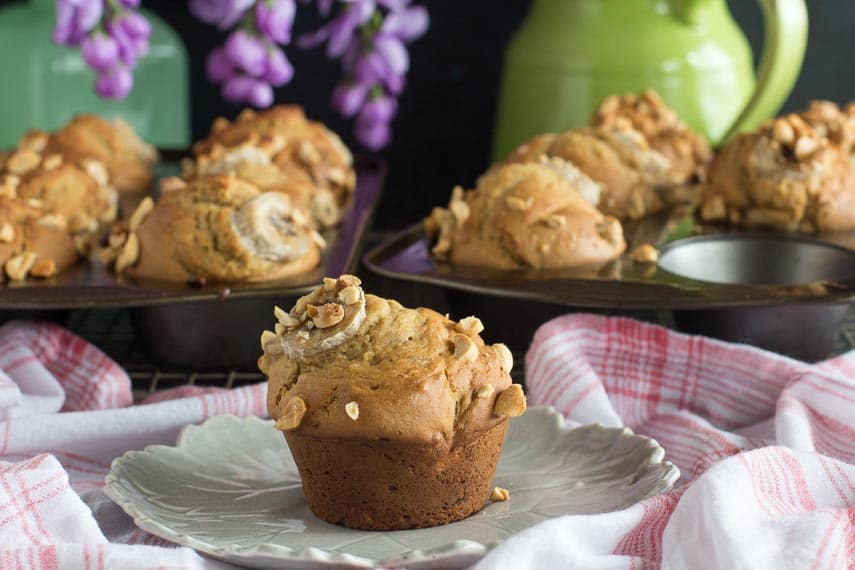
{"x":343,"y":364}
{"x":76,"y":193}
{"x":536,"y":215}
{"x":786,"y":175}
{"x":301,"y":144}
{"x":214,"y":228}
{"x":687,"y":151}
{"x":114,"y":143}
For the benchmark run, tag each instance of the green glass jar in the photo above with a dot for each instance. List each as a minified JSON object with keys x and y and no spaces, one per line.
{"x":570,"y":54}
{"x":45,"y":84}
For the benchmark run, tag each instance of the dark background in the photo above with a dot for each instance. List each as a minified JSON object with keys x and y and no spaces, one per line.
{"x":443,"y":131}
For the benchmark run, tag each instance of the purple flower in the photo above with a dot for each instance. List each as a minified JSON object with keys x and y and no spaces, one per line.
{"x":348,"y":98}
{"x":237,"y":88}
{"x":371,"y":134}
{"x":275,"y":19}
{"x":407,"y":24}
{"x":393,"y":52}
{"x":218,"y":66}
{"x":129,"y":47}
{"x":75,"y":19}
{"x":130,"y":3}
{"x":278,"y":70}
{"x":100,"y":52}
{"x":380,"y":109}
{"x":135,"y":25}
{"x":371,"y":68}
{"x":115,"y":83}
{"x":260,"y":95}
{"x":247,"y":52}
{"x":221,"y":13}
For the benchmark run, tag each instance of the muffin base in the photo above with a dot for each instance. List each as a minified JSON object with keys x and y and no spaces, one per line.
{"x":386,"y":485}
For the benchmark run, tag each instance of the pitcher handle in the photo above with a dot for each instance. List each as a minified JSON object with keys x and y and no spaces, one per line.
{"x":786,"y":33}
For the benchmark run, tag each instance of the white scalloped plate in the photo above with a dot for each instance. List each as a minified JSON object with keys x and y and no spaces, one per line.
{"x":230,"y":489}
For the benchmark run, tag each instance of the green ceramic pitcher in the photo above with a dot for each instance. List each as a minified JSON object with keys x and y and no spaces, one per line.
{"x":45,"y":84}
{"x":570,"y":54}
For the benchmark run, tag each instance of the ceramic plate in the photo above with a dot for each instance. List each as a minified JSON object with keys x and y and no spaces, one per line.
{"x":230,"y":489}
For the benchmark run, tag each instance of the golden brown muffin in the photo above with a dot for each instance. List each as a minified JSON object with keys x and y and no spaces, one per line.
{"x":688,"y":152}
{"x":833,"y":123}
{"x":526,"y":215}
{"x":302,"y":145}
{"x":214,"y":228}
{"x":129,"y":160}
{"x":785,"y":176}
{"x":395,"y":416}
{"x":253,"y":161}
{"x":78,"y":195}
{"x":31,"y":244}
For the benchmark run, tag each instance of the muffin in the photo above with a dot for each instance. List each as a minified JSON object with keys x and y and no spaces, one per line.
{"x":786,"y":175}
{"x":303,"y":150}
{"x":77,"y":194}
{"x":214,"y":228}
{"x":687,"y":152}
{"x":128,"y":159}
{"x":252,"y":160}
{"x":530,"y":215}
{"x":395,"y":416}
{"x":639,"y":152}
{"x":31,"y":243}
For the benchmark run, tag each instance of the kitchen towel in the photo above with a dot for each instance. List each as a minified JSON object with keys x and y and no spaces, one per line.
{"x":765,"y":445}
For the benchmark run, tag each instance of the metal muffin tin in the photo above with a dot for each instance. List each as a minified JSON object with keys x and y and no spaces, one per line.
{"x":781,"y":292}
{"x":215,"y":325}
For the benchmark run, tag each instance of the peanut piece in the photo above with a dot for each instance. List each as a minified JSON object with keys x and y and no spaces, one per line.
{"x":465,"y":348}
{"x":43,"y":268}
{"x":460,"y":210}
{"x":53,"y":221}
{"x":518,"y":204}
{"x":349,"y":295}
{"x":285,"y":319}
{"x":308,"y":154}
{"x":172,"y":184}
{"x":266,"y":337}
{"x":352,"y":410}
{"x":500,"y":495}
{"x":469,"y":326}
{"x":511,"y":402}
{"x":23,"y":161}
{"x":327,"y":315}
{"x":556,"y":221}
{"x":53,"y":161}
{"x":292,"y":414}
{"x":783,"y":132}
{"x":645,"y":253}
{"x":7,"y":232}
{"x":96,"y":170}
{"x":129,"y":254}
{"x":17,"y":267}
{"x":348,"y":280}
{"x":505,"y":356}
{"x":140,"y":213}
{"x":805,"y":147}
{"x":484,"y":391}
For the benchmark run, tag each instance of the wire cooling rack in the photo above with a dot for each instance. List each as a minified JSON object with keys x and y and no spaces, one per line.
{"x":112,"y":332}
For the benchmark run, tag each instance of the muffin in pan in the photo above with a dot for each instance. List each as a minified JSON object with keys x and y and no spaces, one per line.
{"x":639,"y":152}
{"x":214,"y":228}
{"x":128,"y":159}
{"x":32,"y":244}
{"x":77,"y":194}
{"x":786,"y":175}
{"x":536,"y":215}
{"x":395,"y":416}
{"x":304,"y":151}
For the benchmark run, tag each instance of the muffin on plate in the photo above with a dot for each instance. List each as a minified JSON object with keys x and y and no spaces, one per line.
{"x":395,"y":416}
{"x":786,"y":175}
{"x":643,"y":157}
{"x":128,"y":159}
{"x":304,"y":151}
{"x":214,"y":228}
{"x":534,"y":215}
{"x":32,"y":244}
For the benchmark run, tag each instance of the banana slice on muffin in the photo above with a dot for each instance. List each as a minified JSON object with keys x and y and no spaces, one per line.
{"x":535,"y":215}
{"x":306,"y":153}
{"x":395,"y":416}
{"x":214,"y":228}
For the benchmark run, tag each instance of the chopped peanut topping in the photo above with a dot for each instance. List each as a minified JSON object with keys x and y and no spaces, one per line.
{"x":469,"y":326}
{"x":352,"y":410}
{"x":500,"y":494}
{"x":511,"y":402}
{"x":292,"y":415}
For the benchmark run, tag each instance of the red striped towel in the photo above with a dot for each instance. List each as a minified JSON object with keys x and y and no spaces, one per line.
{"x":765,"y":445}
{"x":53,"y":512}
